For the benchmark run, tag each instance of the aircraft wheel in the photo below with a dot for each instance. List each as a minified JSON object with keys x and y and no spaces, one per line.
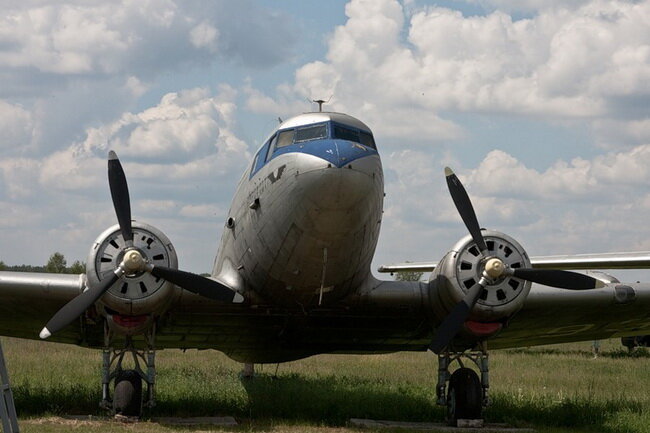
{"x":127,"y":396}
{"x":464,"y":396}
{"x":629,"y":342}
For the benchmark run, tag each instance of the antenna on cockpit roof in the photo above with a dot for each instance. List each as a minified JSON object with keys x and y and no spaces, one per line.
{"x":320,"y":103}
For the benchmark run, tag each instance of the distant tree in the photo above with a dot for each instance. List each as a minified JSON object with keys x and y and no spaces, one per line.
{"x":56,"y":264}
{"x":77,"y":268}
{"x":408,"y":276}
{"x":26,"y":268}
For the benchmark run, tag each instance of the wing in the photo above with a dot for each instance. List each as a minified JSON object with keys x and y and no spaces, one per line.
{"x":28,"y":300}
{"x":639,"y":260}
{"x":558,"y":316}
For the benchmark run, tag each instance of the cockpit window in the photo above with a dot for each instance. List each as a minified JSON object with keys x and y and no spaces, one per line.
{"x":302,"y":134}
{"x":346,"y":134}
{"x":285,"y":138}
{"x":310,"y":133}
{"x":271,"y":148}
{"x":365,"y":138}
{"x":254,"y":166}
{"x":260,"y":157}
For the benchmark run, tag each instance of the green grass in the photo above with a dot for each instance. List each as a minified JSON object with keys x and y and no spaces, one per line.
{"x":552,"y":388}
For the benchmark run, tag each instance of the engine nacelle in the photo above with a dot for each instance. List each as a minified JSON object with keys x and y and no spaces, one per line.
{"x":132,"y":302}
{"x":463,"y":266}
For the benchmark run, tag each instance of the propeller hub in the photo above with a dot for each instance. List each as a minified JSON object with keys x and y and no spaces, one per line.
{"x":494,"y":268}
{"x":133,"y":261}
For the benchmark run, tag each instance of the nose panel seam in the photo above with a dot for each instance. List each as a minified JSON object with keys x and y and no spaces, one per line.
{"x":338,"y":155}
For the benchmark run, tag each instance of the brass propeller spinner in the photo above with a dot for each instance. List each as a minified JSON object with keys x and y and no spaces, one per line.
{"x":495,"y":268}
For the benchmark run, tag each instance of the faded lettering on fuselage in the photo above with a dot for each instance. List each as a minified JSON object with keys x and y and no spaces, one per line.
{"x":275,"y":177}
{"x":260,"y":188}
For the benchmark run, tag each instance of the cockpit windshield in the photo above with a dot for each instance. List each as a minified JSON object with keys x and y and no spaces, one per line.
{"x":344,"y":133}
{"x":300,"y":135}
{"x":310,"y":133}
{"x":285,"y":138}
{"x":349,"y":134}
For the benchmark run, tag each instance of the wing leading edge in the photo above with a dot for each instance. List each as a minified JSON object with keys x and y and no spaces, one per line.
{"x":638,"y":260}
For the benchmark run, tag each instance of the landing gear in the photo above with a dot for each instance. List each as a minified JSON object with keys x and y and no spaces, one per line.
{"x":633,"y":342}
{"x":127,"y":395}
{"x":127,"y":398}
{"x":464,"y":396}
{"x":463,"y":393}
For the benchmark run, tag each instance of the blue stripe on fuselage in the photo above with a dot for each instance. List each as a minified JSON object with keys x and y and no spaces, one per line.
{"x":335,"y":151}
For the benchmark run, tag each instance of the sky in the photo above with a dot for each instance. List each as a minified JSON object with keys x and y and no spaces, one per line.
{"x":541,"y":107}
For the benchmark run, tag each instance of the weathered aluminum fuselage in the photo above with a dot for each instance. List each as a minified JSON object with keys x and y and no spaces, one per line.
{"x":303,"y":228}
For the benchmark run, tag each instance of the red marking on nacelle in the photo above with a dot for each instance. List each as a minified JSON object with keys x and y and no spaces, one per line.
{"x":130,"y":321}
{"x":483,"y":329}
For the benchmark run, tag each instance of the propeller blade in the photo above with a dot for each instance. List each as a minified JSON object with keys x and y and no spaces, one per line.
{"x":76,"y":307}
{"x":197,"y":284}
{"x":559,"y":279}
{"x":120,"y":196}
{"x":455,"y":319}
{"x":465,"y":208}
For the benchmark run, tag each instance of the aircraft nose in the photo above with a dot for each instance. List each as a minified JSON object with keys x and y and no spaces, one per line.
{"x":338,"y":198}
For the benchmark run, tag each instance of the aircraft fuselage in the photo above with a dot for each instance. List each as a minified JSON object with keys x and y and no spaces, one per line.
{"x":305,"y":218}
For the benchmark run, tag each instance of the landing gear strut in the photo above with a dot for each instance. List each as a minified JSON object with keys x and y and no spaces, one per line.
{"x":127,"y":395}
{"x":463,"y":393}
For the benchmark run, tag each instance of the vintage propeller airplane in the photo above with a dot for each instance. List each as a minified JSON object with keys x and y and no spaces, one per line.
{"x":292,"y":279}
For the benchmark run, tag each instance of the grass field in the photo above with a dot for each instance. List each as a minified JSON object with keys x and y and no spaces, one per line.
{"x":552,"y":388}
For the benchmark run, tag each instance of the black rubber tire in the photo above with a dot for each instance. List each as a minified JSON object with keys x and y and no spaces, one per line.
{"x":643,"y":341}
{"x":629,"y":342}
{"x":127,"y":395}
{"x":464,"y":396}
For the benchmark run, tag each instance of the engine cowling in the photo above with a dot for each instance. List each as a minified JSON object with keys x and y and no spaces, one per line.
{"x":463,"y":266}
{"x":131,"y":304}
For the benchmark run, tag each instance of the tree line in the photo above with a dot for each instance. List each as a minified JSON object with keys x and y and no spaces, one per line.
{"x":56,"y":264}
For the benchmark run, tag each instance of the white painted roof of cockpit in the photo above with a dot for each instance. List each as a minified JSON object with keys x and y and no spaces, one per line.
{"x":317,"y":117}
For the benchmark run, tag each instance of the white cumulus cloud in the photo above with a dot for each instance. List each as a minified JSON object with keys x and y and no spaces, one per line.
{"x":16,"y":126}
{"x":397,"y":70}
{"x":183,"y":126}
{"x":176,"y":155}
{"x":66,"y":38}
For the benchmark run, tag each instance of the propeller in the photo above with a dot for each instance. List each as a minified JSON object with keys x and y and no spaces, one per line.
{"x":203,"y":286}
{"x":133,"y":262}
{"x":77,"y":306}
{"x":465,"y":209}
{"x":120,"y":195}
{"x":455,"y":319}
{"x":494,"y":269}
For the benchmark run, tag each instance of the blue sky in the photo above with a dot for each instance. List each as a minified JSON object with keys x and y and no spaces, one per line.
{"x":542,"y":107}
